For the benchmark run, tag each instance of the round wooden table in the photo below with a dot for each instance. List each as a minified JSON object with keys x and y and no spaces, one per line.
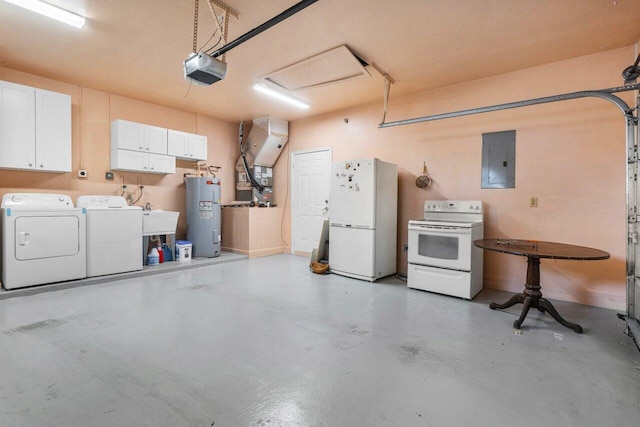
{"x":534,"y":251}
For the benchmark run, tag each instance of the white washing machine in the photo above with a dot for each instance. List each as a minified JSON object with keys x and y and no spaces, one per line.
{"x":43,"y":239}
{"x":114,"y":235}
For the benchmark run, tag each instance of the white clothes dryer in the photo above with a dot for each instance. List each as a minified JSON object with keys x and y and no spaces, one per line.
{"x":114,"y":235}
{"x":43,"y":239}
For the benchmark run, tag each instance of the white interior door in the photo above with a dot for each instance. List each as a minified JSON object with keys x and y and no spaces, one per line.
{"x":310,"y":173}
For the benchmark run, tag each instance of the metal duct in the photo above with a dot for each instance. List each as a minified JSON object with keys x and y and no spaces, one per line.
{"x":267,"y":138}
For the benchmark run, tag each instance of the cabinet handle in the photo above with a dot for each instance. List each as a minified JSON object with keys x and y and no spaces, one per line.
{"x":30,"y":165}
{"x":147,"y":148}
{"x":140,"y":148}
{"x":145,"y":167}
{"x":41,"y":166}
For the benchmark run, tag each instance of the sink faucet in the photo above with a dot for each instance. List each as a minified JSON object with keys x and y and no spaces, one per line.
{"x":147,"y":206}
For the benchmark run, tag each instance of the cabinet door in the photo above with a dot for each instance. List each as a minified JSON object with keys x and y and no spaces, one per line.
{"x":177,"y":143}
{"x":127,"y":135}
{"x":197,"y":147}
{"x":188,"y":146}
{"x":17,"y":126}
{"x":155,"y":139}
{"x":53,"y":131}
{"x":139,"y":161}
{"x":159,"y":163}
{"x":129,"y":160}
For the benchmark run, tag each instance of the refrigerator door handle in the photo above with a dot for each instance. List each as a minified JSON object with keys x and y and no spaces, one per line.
{"x":359,"y":227}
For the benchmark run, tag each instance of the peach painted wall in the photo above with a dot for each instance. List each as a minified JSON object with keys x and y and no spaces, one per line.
{"x":571,"y":155}
{"x":92,"y":112}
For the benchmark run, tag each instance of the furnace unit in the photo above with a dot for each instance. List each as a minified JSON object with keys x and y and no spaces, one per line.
{"x":254,"y":169}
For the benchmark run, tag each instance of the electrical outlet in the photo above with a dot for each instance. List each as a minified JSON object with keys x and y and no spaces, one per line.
{"x":533,"y":202}
{"x":405,"y":248}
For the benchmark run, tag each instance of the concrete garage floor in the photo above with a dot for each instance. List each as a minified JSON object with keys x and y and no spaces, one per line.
{"x":265,"y":342}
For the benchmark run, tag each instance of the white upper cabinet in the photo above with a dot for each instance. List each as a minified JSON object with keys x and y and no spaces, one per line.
{"x":17,"y":126}
{"x":139,"y":137}
{"x":160,"y":163}
{"x":140,"y":161}
{"x":187,"y":146}
{"x":129,"y":140}
{"x":127,"y":135}
{"x":140,"y":148}
{"x":155,"y":139}
{"x":35,"y":129}
{"x":53,"y":131}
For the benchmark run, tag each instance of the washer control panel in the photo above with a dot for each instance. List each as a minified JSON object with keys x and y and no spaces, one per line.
{"x":103,"y":201}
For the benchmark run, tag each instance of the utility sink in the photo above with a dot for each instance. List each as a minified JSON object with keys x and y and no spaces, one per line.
{"x":157,"y":222}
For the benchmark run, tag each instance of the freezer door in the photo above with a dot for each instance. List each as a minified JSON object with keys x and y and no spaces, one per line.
{"x":351,"y":252}
{"x":352,"y":194}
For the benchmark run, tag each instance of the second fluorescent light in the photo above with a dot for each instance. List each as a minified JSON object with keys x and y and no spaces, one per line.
{"x":50,"y":11}
{"x":280,"y":95}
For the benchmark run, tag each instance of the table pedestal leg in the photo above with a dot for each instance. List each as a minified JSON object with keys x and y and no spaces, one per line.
{"x":546,"y":305}
{"x":532,"y":298}
{"x":516,"y":299}
{"x":526,"y":304}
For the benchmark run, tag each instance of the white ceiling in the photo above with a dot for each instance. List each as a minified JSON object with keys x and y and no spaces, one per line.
{"x":135,"y":48}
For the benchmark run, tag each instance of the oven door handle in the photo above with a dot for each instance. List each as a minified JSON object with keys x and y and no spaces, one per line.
{"x":441,"y":229}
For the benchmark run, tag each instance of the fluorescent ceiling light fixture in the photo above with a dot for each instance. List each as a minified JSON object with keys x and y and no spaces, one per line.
{"x":280,"y":95}
{"x":50,"y":11}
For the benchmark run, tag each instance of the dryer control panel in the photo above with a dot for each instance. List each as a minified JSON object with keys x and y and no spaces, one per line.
{"x":36,"y":200}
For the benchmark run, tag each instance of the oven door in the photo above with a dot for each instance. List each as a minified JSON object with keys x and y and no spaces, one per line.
{"x":440,"y":246}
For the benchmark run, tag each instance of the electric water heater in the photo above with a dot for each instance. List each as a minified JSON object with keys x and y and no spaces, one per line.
{"x":203,"y":216}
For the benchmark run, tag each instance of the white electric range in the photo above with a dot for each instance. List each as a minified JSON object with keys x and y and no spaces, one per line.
{"x":441,"y":254}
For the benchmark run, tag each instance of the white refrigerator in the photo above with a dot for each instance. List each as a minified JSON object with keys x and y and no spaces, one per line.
{"x":363,"y":217}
